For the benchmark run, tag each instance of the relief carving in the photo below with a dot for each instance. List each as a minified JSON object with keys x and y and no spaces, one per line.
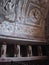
{"x":23,"y":17}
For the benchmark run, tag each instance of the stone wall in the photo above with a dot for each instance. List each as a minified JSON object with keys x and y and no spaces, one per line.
{"x":23,"y":18}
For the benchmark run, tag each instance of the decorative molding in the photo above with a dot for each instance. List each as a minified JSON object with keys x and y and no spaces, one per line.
{"x":23,"y":18}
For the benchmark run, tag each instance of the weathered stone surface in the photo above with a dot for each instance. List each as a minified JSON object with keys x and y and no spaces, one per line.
{"x":23,"y":18}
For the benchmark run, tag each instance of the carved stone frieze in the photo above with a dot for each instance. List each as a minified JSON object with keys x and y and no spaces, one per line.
{"x":23,"y":18}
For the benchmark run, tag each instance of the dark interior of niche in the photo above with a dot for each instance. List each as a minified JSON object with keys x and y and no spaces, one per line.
{"x":10,"y":50}
{"x":34,"y":50}
{"x":45,"y":50}
{"x":0,"y":50}
{"x":23,"y":50}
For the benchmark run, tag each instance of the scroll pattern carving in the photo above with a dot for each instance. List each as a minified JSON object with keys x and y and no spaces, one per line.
{"x":23,"y":18}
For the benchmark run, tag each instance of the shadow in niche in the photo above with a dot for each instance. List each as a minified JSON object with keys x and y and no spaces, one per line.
{"x":45,"y":50}
{"x":34,"y":50}
{"x":10,"y":50}
{"x":0,"y":50}
{"x":23,"y":51}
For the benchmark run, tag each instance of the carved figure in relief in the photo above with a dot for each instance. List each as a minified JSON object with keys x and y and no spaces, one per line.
{"x":29,"y":51}
{"x":39,"y":51}
{"x":3,"y":50}
{"x":17,"y":51}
